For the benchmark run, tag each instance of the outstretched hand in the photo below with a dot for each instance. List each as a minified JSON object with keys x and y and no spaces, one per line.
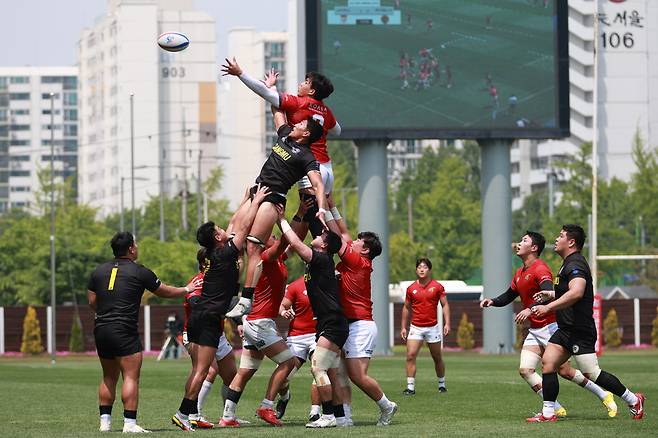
{"x":270,"y":78}
{"x":231,"y":68}
{"x":261,"y":194}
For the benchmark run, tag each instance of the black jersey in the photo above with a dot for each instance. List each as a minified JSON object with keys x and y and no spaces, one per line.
{"x":119,"y":285}
{"x":579,"y":315}
{"x":220,"y":280}
{"x":288,"y":163}
{"x":321,"y":285}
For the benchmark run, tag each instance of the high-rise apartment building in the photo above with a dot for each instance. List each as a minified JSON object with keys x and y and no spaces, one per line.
{"x":174,"y":108}
{"x":25,"y":130}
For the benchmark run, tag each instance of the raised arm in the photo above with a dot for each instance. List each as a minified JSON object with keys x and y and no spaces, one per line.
{"x":336,"y":130}
{"x":295,"y":242}
{"x":318,"y":187}
{"x":259,"y":87}
{"x":279,"y":118}
{"x":341,"y":225}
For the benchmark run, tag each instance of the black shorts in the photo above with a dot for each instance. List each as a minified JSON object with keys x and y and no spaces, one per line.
{"x":274,"y":198}
{"x":334,"y":327}
{"x":204,"y":329}
{"x":113,"y":340}
{"x":575,"y":342}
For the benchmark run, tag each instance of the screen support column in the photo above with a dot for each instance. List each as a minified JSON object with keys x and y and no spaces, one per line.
{"x":373,"y":216}
{"x":498,"y":326}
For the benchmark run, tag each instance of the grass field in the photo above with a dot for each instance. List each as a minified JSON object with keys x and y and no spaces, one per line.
{"x":515,"y":48}
{"x":486,"y":397}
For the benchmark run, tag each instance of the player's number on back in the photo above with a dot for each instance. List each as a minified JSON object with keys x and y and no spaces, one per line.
{"x":173,"y":72}
{"x":113,"y":277}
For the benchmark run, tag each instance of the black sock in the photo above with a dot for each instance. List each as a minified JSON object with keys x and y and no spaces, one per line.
{"x":611,"y":383}
{"x":328,"y":408}
{"x":550,"y":386}
{"x":130,"y":414}
{"x":187,"y":406}
{"x":248,"y":292}
{"x":232,"y":395}
{"x":105,"y":409}
{"x":339,"y":411}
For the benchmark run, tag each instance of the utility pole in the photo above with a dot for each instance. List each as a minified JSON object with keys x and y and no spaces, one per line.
{"x":121,"y":224}
{"x":184,"y":194}
{"x":53,"y":351}
{"x":161,"y":187}
{"x":198,"y":188}
{"x":551,"y":188}
{"x":132,"y":162}
{"x":410,"y":216}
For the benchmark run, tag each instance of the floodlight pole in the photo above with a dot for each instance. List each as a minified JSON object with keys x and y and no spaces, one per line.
{"x":53,"y":350}
{"x":373,"y":216}
{"x":497,"y":323}
{"x":132,"y":163}
{"x":593,"y":241}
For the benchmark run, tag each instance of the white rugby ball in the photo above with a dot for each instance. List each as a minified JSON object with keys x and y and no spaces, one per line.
{"x":173,"y":41}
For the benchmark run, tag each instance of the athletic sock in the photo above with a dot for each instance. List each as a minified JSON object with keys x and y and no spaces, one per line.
{"x":549,"y":409}
{"x":231,"y":405}
{"x":550,"y":386}
{"x":347,"y":408}
{"x":596,"y":389}
{"x":540,"y":393}
{"x":248,"y":292}
{"x":411,"y":383}
{"x":383,"y":403}
{"x":129,"y":417}
{"x":327,"y":408}
{"x":339,"y":411}
{"x":285,"y":397}
{"x":105,"y":410}
{"x":268,"y":404}
{"x":106,"y":418}
{"x":629,"y":398}
{"x":442,"y":382}
{"x":315,"y":410}
{"x":224,"y":392}
{"x":187,"y":407}
{"x":611,"y":383}
{"x":203,"y":393}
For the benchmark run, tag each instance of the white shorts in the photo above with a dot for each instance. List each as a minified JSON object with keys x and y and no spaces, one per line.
{"x":540,"y":336}
{"x":223,"y":349}
{"x":302,"y":345}
{"x":327,"y":173}
{"x":430,"y":334}
{"x":361,"y":340}
{"x":260,"y":333}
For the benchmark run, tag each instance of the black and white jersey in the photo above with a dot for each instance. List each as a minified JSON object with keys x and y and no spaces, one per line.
{"x":288,"y":163}
{"x":579,"y":315}
{"x":119,"y":285}
{"x":220,"y":280}
{"x":322,"y":285}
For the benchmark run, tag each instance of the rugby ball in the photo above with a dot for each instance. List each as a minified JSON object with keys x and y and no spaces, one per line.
{"x":173,"y":41}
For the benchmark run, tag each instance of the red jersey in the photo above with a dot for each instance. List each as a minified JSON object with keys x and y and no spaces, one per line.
{"x":270,"y":288}
{"x":424,"y":301}
{"x":355,"y":286}
{"x":526,"y":284}
{"x":301,"y":108}
{"x":304,"y":321}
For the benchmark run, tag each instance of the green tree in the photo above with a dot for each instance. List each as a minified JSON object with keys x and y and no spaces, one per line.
{"x":31,"y":343}
{"x":76,"y":341}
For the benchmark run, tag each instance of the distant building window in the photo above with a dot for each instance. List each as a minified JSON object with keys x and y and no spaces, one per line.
{"x":19,"y":96}
{"x":20,"y":80}
{"x":515,"y":167}
{"x":21,"y":189}
{"x":19,"y":158}
{"x":54,"y":127}
{"x":516,"y":192}
{"x":71,"y":130}
{"x":71,"y":114}
{"x":19,"y":127}
{"x":46,"y":112}
{"x":20,"y":112}
{"x":47,"y":96}
{"x":20,"y":143}
{"x":19,"y":173}
{"x":71,"y":99}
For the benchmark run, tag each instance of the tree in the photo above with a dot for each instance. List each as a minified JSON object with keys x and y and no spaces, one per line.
{"x":611,"y":329}
{"x":76,"y":341}
{"x":465,"y":332}
{"x":31,"y":343}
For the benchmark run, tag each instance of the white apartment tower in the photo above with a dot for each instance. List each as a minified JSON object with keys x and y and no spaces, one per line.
{"x":174,"y":106}
{"x":25,"y":130}
{"x":247,"y":131}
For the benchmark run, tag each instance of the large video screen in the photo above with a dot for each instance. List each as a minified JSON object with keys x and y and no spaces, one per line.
{"x":443,"y":68}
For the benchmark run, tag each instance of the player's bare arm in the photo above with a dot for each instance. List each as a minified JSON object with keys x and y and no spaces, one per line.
{"x":318,"y":186}
{"x":166,"y":291}
{"x":406,"y":310}
{"x":295,"y":242}
{"x":445,"y":307}
{"x":91,"y":298}
{"x":285,"y":309}
{"x":575,"y":293}
{"x":279,"y":117}
{"x":259,"y":87}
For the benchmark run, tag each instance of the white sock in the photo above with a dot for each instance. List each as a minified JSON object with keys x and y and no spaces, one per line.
{"x":411,"y":383}
{"x":442,"y":382}
{"x":229,"y":410}
{"x":596,"y":389}
{"x":106,"y":418}
{"x":267,"y":403}
{"x":549,"y":409}
{"x":348,"y":410}
{"x":131,"y":421}
{"x":194,"y":416}
{"x":286,"y":396}
{"x":203,"y":394}
{"x":315,"y":409}
{"x":556,"y":405}
{"x":383,"y":403}
{"x":629,"y":398}
{"x":182,"y":416}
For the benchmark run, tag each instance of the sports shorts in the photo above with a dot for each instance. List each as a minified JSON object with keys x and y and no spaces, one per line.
{"x":327,"y":173}
{"x":540,"y":336}
{"x":274,"y":197}
{"x":333,"y":327}
{"x":431,"y":334}
{"x":259,"y":333}
{"x":204,"y":329}
{"x":223,"y":348}
{"x":575,"y":341}
{"x":361,"y":339}
{"x":302,"y":346}
{"x":114,"y":340}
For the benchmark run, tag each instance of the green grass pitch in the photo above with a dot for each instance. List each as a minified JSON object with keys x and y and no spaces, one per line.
{"x":515,"y":48}
{"x":486,"y":397}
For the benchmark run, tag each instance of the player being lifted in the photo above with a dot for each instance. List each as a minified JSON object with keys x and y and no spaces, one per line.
{"x":308,"y":104}
{"x":531,"y":278}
